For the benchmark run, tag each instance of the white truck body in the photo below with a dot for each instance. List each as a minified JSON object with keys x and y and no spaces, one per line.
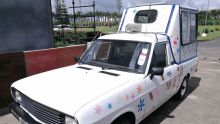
{"x":169,"y":21}
{"x":88,"y":93}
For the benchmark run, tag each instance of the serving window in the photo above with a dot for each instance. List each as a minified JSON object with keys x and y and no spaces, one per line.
{"x":188,"y":27}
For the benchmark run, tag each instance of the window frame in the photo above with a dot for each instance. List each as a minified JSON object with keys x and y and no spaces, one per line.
{"x":191,"y":12}
{"x":166,"y":54}
{"x":80,"y":62}
{"x":135,"y":17}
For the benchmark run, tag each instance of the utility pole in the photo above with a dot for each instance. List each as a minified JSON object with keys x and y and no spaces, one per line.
{"x":207,"y":14}
{"x":204,"y":34}
{"x":74,"y":16}
{"x":80,"y":5}
{"x":119,"y":7}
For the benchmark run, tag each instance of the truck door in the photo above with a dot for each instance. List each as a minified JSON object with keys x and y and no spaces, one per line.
{"x":162,"y":85}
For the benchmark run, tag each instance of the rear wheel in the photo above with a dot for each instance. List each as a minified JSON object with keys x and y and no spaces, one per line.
{"x":181,"y":94}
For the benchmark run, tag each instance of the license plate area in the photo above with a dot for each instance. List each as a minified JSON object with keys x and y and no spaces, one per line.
{"x":22,"y":121}
{"x":15,"y":114}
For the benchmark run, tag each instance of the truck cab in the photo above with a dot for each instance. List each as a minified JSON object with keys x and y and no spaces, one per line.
{"x":121,"y":77}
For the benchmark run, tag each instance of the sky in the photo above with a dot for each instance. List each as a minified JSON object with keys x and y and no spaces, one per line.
{"x":110,"y":5}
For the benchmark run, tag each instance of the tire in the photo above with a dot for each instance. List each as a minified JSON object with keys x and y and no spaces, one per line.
{"x":122,"y":120}
{"x":181,"y":94}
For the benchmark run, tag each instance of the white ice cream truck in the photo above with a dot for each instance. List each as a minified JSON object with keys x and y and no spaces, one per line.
{"x":122,"y":77}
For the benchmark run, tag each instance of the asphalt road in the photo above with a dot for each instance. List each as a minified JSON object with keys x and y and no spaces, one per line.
{"x":202,"y":104}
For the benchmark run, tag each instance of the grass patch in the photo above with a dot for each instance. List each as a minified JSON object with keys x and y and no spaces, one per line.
{"x":213,"y":32}
{"x":68,"y":38}
{"x":62,"y":44}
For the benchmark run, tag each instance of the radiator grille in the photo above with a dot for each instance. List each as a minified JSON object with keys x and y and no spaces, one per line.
{"x":41,"y":112}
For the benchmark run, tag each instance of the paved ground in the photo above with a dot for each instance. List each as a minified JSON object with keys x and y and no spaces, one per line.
{"x":202,"y":105}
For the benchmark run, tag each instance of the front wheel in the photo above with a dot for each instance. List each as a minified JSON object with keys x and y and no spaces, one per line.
{"x":181,"y":94}
{"x":122,"y":120}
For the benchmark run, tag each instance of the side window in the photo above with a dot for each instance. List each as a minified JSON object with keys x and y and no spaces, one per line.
{"x":159,"y":56}
{"x":189,"y":27}
{"x":185,"y":28}
{"x":193,"y":28}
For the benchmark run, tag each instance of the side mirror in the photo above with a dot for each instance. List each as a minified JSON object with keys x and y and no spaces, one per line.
{"x":77,"y":58}
{"x":156,"y":71}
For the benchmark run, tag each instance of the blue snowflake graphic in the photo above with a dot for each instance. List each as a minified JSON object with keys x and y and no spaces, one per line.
{"x":141,"y":105}
{"x":109,"y":106}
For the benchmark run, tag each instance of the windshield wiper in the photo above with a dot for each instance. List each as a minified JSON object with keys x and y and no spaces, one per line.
{"x":104,"y":65}
{"x":118,"y":68}
{"x":100,"y":60}
{"x":124,"y":68}
{"x":91,"y":63}
{"x":95,"y":63}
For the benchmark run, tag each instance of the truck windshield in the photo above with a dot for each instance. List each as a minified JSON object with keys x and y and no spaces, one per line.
{"x":119,"y":55}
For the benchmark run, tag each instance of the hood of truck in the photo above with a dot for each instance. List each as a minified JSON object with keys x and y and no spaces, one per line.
{"x":70,"y":88}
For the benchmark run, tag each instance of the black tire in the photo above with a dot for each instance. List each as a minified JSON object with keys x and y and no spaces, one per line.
{"x":122,"y":120}
{"x":181,"y":94}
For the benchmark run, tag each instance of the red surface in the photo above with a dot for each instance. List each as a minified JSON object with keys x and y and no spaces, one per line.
{"x":45,"y":60}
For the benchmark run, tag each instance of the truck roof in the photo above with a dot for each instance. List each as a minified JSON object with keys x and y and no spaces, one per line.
{"x":165,"y":4}
{"x":143,"y":37}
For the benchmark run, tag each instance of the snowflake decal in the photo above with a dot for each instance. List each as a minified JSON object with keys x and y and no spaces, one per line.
{"x":162,"y":77}
{"x":168,"y":85}
{"x":141,"y":105}
{"x":178,"y":50}
{"x":139,"y":89}
{"x":98,"y":109}
{"x":175,"y":42}
{"x":132,"y":96}
{"x":151,"y":96}
{"x":109,"y":106}
{"x":127,"y":97}
{"x":157,"y":92}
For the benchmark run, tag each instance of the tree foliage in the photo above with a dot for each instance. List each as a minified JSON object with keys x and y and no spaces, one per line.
{"x":119,"y":6}
{"x":213,"y":17}
{"x":61,"y":12}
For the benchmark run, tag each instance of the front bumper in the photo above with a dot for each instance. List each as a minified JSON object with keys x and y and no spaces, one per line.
{"x":20,"y":114}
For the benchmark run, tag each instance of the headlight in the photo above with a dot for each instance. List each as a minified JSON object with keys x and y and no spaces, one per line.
{"x":69,"y":120}
{"x":16,"y":95}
